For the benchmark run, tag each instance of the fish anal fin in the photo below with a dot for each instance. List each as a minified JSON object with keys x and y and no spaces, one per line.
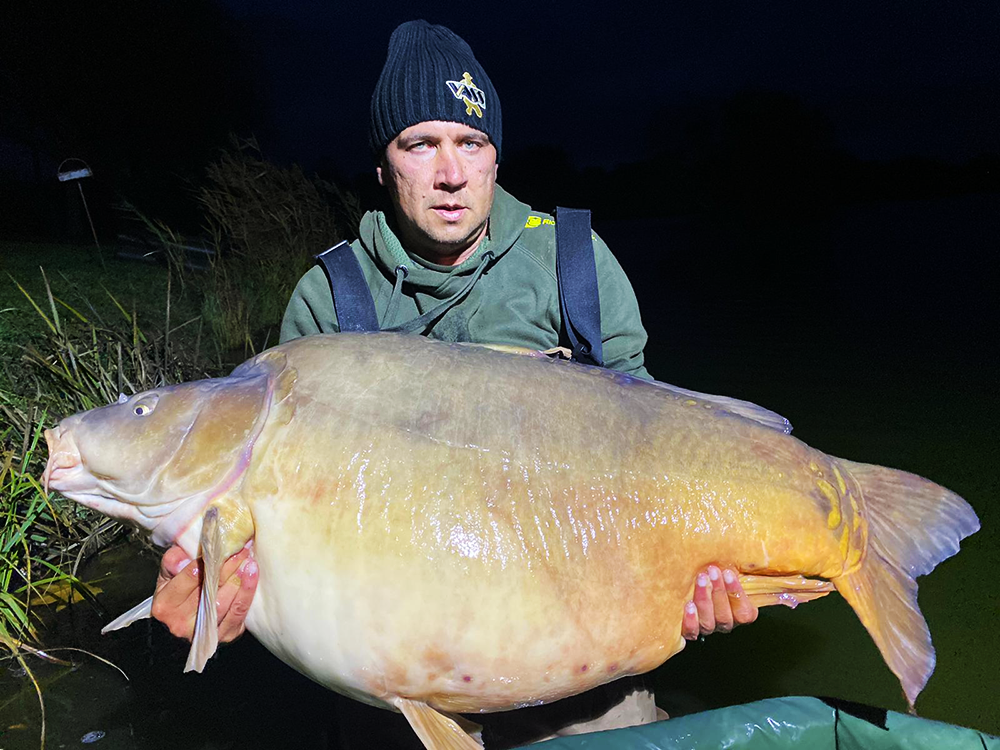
{"x":791,"y":591}
{"x":139,"y":612}
{"x":435,"y":730}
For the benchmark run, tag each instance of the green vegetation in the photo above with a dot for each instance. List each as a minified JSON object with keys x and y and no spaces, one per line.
{"x":267,"y":224}
{"x":78,"y":280}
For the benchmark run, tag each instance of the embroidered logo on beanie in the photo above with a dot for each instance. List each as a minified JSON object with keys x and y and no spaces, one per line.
{"x":473,"y":96}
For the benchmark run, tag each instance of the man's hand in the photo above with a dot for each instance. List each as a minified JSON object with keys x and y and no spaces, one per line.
{"x":178,"y":588}
{"x":719,"y":604}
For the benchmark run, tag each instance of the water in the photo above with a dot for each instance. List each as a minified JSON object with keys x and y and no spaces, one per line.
{"x":872,"y":330}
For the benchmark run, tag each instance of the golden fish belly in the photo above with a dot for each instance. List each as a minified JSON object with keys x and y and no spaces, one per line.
{"x":489,"y":556}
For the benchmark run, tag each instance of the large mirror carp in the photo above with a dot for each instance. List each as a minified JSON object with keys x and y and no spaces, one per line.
{"x":451,"y":528}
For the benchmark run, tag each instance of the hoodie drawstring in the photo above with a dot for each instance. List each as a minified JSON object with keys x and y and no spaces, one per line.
{"x":420,"y":324}
{"x":397,"y":292}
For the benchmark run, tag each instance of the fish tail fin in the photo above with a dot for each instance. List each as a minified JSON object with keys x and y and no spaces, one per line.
{"x":913,"y":524}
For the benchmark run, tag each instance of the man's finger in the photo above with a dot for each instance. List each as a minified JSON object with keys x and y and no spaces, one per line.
{"x":720,"y":601}
{"x":175,"y":602}
{"x":231,"y":565}
{"x":174,"y":589}
{"x":229,"y":583}
{"x":743,"y":609}
{"x":690,"y":628}
{"x":234,"y":622}
{"x":703,"y":603}
{"x":174,"y":560}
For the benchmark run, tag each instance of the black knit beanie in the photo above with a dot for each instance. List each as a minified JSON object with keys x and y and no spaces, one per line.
{"x":430,"y":73}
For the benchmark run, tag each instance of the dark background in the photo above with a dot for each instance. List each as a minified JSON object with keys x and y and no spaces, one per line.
{"x":635,"y":109}
{"x":832,"y":157}
{"x":806,"y":197}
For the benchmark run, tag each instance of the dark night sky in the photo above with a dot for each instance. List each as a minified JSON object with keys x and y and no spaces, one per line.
{"x":893,"y":78}
{"x":608,"y":83}
{"x":147,"y":92}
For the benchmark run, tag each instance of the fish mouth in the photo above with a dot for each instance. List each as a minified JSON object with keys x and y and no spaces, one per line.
{"x":64,"y":471}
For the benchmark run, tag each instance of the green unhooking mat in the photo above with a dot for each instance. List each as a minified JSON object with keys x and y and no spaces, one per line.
{"x":814,"y":723}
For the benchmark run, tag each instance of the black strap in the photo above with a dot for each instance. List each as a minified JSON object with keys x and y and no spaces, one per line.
{"x":576,"y":270}
{"x":352,"y":300}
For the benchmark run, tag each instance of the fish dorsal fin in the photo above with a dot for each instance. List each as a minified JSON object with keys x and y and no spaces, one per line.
{"x":744,"y":409}
{"x":435,"y":730}
{"x":556,"y":352}
{"x":505,"y":348}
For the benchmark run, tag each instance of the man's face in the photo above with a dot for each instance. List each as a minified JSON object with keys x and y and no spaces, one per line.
{"x":441,"y":177}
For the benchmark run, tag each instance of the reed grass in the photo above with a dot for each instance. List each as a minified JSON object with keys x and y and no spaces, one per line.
{"x":267,"y":223}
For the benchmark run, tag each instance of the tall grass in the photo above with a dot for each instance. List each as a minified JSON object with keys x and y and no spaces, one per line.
{"x":28,"y":518}
{"x":267,"y":223}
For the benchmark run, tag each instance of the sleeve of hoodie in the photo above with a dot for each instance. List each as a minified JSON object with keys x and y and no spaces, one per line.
{"x":310,"y":309}
{"x":624,"y":338}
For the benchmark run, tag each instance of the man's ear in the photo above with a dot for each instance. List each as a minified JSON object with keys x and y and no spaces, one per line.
{"x":378,"y":171}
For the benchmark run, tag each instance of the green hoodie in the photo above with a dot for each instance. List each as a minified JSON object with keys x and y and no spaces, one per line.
{"x":504,"y":293}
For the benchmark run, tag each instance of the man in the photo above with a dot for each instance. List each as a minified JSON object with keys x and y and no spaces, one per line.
{"x":458,"y":259}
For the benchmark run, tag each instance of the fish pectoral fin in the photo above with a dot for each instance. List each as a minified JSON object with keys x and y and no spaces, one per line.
{"x":138,"y":612}
{"x":435,"y":730}
{"x":788,"y":590}
{"x":206,"y":626}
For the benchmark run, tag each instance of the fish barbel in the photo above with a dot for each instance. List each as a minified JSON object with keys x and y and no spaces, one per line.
{"x":452,"y":528}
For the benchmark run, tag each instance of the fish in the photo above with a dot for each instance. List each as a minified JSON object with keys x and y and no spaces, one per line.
{"x":448,"y":528}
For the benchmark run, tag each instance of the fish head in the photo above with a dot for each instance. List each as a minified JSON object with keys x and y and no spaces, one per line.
{"x":149,"y":455}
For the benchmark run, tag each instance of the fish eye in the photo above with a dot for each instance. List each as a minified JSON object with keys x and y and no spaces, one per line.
{"x":143,"y":408}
